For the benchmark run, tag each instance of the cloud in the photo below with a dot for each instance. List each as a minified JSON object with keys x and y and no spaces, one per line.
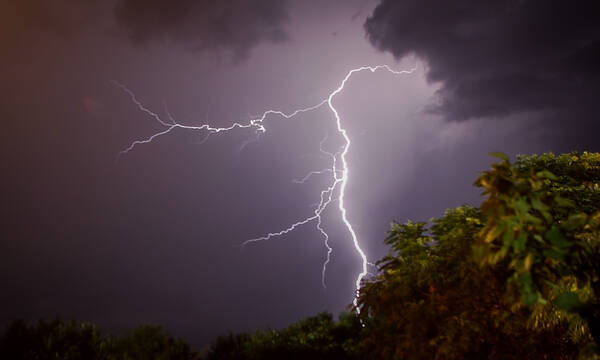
{"x":499,"y":57}
{"x":234,"y":25}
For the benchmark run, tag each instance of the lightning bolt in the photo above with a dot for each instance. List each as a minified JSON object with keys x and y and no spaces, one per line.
{"x":338,"y":170}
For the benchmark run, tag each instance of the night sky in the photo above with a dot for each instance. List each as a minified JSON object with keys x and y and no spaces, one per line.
{"x":154,"y":236}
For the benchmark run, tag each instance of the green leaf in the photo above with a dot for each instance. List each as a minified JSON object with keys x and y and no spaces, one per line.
{"x":508,"y":237}
{"x":539,"y":205}
{"x":554,"y":254}
{"x":530,"y":298}
{"x":531,"y":219}
{"x":520,"y":242}
{"x":560,"y":201}
{"x":568,"y":301}
{"x":521,"y":205}
{"x":557,"y":239}
{"x":499,"y":155}
{"x":546,"y":174}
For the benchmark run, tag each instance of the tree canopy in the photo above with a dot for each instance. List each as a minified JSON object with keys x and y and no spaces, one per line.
{"x":75,"y":340}
{"x":516,"y":278}
{"x":544,"y":219}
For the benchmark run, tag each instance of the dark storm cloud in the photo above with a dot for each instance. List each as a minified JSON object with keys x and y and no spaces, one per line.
{"x":495,"y":58}
{"x":237,"y":25}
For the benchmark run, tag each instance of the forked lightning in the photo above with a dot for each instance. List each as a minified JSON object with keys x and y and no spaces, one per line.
{"x":338,"y":170}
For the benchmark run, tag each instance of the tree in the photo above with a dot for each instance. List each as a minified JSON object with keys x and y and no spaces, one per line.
{"x":544,"y":219}
{"x":53,"y":340}
{"x":149,"y":342}
{"x":516,"y":278}
{"x":74,"y":340}
{"x":316,"y":337}
{"x":431,"y":300}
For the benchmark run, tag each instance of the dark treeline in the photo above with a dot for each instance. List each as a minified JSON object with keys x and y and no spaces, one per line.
{"x":516,"y":278}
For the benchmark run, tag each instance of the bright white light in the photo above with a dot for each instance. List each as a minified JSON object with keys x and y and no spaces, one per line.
{"x":339,"y":170}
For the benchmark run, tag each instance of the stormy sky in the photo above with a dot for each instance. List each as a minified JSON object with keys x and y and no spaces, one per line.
{"x":154,"y":237}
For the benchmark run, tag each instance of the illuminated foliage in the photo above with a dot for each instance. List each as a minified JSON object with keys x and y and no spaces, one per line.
{"x":544,"y":219}
{"x":431,"y":300}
